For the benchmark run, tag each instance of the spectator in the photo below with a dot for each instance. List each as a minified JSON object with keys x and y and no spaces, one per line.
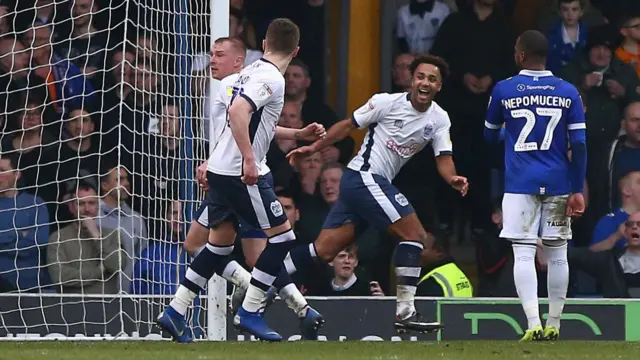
{"x":116,"y":214}
{"x":609,"y":233}
{"x":485,"y":58}
{"x":70,"y":83}
{"x":6,"y":20}
{"x":119,"y":98}
{"x":38,"y":151}
{"x":402,"y":72}
{"x":630,"y":260}
{"x":629,"y":50}
{"x":308,"y":173}
{"x":418,"y":24}
{"x":548,"y":15}
{"x":344,"y":281}
{"x":236,"y":29}
{"x":158,"y":166}
{"x":609,"y":85}
{"x":623,"y":155}
{"x":298,"y":81}
{"x":441,"y":276}
{"x":81,"y":146}
{"x":276,"y":157}
{"x":163,"y":264}
{"x":14,"y":70}
{"x":85,"y":43}
{"x":84,"y":256}
{"x":24,"y":228}
{"x":568,"y":36}
{"x":314,"y":210}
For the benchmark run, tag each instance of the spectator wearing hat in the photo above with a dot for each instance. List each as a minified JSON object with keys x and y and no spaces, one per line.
{"x":609,"y":85}
{"x":24,"y":228}
{"x":83,"y":257}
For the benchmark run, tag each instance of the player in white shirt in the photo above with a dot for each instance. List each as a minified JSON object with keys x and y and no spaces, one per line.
{"x":226,"y":63}
{"x":399,"y":126}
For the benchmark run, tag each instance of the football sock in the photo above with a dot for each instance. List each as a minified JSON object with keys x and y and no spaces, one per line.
{"x":526,"y":281}
{"x":211,"y":259}
{"x":407,"y":262}
{"x":301,"y":258}
{"x":557,"y":279}
{"x":267,"y":268}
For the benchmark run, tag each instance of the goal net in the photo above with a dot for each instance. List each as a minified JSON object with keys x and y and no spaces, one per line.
{"x":103,"y":127}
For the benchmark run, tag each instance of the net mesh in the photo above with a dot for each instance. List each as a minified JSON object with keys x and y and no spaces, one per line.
{"x":102,"y":128}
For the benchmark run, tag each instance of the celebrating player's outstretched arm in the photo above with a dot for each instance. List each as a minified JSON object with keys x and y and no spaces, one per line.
{"x":447,"y":169}
{"x":336,"y":133}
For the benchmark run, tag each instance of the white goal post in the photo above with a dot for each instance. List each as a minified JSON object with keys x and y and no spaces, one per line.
{"x":103,"y":125}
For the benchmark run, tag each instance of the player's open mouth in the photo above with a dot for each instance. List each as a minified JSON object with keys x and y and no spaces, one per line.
{"x":635,"y":236}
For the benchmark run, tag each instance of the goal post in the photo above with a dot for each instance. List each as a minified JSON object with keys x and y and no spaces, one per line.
{"x":217,"y":286}
{"x":103,"y":127}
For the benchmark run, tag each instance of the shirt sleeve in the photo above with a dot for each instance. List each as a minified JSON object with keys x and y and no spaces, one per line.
{"x":605,"y":227}
{"x":494,"y":119}
{"x":576,"y":119}
{"x":259,"y":90}
{"x":371,"y":112}
{"x":441,"y":143}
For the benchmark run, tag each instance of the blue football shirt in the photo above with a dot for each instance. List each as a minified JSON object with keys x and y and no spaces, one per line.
{"x":541,"y":114}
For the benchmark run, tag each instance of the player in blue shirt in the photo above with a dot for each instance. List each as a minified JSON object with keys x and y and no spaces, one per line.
{"x":543,"y":117}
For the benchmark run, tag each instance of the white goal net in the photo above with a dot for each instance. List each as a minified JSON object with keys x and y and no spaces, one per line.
{"x":102,"y":129}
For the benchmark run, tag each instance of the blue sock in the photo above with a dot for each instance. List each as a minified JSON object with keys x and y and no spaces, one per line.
{"x":212,"y":259}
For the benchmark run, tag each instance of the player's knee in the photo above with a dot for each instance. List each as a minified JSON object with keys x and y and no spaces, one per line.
{"x":196,"y":238}
{"x":554,"y":243}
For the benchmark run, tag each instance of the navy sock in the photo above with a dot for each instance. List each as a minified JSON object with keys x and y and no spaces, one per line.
{"x":212,"y":259}
{"x":301,"y":259}
{"x":283,"y":279}
{"x":407,"y":262}
{"x":269,"y":263}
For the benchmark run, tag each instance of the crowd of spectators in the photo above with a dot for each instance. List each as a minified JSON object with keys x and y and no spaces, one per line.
{"x":92,"y":154}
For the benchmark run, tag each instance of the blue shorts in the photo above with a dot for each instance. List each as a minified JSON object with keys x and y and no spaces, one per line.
{"x":245,"y":231}
{"x":367,"y":199}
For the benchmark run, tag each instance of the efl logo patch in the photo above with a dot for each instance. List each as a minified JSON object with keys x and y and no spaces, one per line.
{"x":402,"y":200}
{"x":398,"y":123}
{"x":265,"y":90}
{"x":276,"y":208}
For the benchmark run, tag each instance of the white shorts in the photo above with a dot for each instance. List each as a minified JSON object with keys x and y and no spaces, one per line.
{"x":533,"y":217}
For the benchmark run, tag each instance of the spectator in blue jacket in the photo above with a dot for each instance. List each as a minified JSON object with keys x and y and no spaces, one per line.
{"x":65,"y":81}
{"x":24,"y":232}
{"x":163,"y":264}
{"x":568,"y":36}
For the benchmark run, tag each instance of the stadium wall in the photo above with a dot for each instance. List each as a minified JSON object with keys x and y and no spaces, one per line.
{"x":131,"y":318}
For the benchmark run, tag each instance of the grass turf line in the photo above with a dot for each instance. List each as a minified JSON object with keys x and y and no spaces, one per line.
{"x":471,"y":350}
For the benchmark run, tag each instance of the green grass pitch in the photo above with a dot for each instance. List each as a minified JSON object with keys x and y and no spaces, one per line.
{"x":472,"y":350}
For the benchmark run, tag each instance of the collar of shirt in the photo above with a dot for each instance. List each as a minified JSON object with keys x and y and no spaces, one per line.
{"x":347,"y":285}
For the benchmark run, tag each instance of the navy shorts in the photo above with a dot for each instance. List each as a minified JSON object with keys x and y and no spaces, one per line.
{"x":248,"y":206}
{"x":367,"y":199}
{"x":245,"y":231}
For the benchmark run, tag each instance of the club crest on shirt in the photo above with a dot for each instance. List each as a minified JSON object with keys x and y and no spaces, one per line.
{"x":401,"y":200}
{"x":427,"y":132}
{"x":276,"y":208}
{"x":398,"y":123}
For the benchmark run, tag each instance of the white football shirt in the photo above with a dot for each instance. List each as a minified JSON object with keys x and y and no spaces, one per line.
{"x":397,"y":131}
{"x":262,"y":85}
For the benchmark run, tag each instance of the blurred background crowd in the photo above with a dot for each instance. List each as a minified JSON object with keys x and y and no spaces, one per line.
{"x":97,"y":149}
